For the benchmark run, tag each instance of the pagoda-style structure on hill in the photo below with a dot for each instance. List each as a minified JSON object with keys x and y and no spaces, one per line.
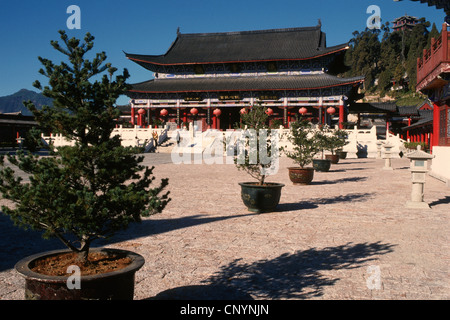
{"x":211,"y":77}
{"x":404,"y":23}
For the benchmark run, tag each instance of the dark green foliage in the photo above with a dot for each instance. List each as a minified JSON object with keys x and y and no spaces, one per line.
{"x":33,"y":141}
{"x":390,"y":57}
{"x":95,"y":188}
{"x":322,"y":141}
{"x":304,"y":143}
{"x":257,"y":149}
{"x":336,"y":140}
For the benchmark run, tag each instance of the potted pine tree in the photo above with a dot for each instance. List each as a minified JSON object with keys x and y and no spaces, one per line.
{"x":322,"y":143}
{"x":303,"y":149}
{"x":83,"y":192}
{"x":336,"y":141}
{"x":258,"y":155}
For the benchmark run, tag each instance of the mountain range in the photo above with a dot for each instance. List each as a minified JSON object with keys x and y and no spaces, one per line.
{"x":14,"y":102}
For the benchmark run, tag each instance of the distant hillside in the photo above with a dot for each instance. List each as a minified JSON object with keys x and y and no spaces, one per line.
{"x":14,"y":102}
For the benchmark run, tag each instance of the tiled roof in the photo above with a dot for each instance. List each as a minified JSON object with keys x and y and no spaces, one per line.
{"x":439,"y":4}
{"x":408,"y":111}
{"x":261,"y":45}
{"x":244,"y":83}
{"x":373,"y":107}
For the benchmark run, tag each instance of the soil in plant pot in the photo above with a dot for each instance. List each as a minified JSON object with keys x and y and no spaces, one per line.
{"x":99,"y":262}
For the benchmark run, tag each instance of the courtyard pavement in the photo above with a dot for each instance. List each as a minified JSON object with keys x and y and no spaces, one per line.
{"x":347,"y":235}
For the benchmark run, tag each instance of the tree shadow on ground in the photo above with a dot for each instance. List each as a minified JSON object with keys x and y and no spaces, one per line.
{"x":314,"y":203}
{"x":343,"y":180}
{"x":151,"y":227}
{"x":300,"y":275}
{"x":352,"y":162}
{"x":18,"y":243}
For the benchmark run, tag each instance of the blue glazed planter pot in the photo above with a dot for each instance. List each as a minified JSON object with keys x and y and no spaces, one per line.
{"x":321,"y":165}
{"x":261,"y":199}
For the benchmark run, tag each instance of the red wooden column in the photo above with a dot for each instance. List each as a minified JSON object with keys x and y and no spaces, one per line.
{"x":341,"y":114}
{"x":216,"y":121}
{"x":321,"y":120}
{"x":407,"y":131}
{"x":435,"y":124}
{"x":133,"y":115}
{"x":184,"y":117}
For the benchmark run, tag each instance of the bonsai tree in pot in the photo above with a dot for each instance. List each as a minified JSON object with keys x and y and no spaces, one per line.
{"x":86,"y":191}
{"x":304,"y":147}
{"x":257,"y":155}
{"x":336,"y":141}
{"x":322,"y":143}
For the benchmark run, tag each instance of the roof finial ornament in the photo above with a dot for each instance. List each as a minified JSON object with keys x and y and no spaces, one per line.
{"x":320,"y":23}
{"x":178,"y":30}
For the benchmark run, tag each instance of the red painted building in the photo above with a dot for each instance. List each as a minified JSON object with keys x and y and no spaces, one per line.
{"x":433,"y":79}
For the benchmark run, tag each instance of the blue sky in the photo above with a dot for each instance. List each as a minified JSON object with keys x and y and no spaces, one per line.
{"x":149,"y":27}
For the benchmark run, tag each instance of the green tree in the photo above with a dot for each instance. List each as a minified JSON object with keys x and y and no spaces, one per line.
{"x":304,"y":144}
{"x":95,"y":188}
{"x":391,"y":58}
{"x":363,"y":55}
{"x":256,"y":148}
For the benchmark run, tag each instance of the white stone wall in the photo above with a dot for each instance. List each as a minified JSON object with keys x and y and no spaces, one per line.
{"x":134,"y":137}
{"x":440,"y":165}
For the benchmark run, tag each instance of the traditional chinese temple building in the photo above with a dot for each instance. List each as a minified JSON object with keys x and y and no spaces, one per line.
{"x":404,"y":23}
{"x":433,"y":79}
{"x":211,"y":77}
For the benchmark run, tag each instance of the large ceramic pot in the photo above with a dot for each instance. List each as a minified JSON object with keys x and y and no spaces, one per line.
{"x":261,"y":198}
{"x":341,"y":154}
{"x":334,"y":158}
{"x":300,"y":175}
{"x":114,"y":285}
{"x":321,"y":165}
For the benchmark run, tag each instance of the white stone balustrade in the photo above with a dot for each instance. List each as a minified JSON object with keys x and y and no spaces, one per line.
{"x":130,"y":137}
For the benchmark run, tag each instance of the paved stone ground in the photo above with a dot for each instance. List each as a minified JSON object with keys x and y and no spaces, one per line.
{"x":328,"y":240}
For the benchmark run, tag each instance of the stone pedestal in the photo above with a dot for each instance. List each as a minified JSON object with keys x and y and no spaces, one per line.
{"x":387,"y":156}
{"x":379,"y":144}
{"x":418,"y":170}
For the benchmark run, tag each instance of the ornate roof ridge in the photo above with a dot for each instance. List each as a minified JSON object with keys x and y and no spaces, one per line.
{"x":231,"y":33}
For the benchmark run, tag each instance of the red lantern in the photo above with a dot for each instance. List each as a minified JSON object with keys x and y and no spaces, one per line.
{"x":331,"y":110}
{"x":217,"y":112}
{"x":194,"y":111}
{"x":164,"y":112}
{"x":269,"y":112}
{"x":243,"y":111}
{"x":141,"y":111}
{"x":302,"y":111}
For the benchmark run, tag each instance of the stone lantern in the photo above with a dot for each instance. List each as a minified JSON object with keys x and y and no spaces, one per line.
{"x":418,"y":168}
{"x":387,"y":156}
{"x":379,"y":144}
